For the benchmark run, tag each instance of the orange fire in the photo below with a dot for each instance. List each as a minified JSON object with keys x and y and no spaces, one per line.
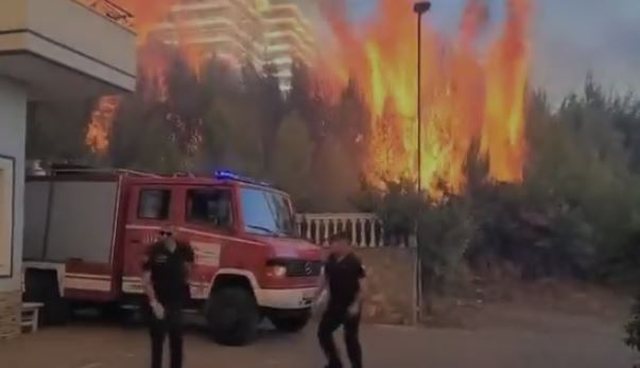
{"x":470,"y":93}
{"x":147,"y":13}
{"x":99,"y":127}
{"x":503,"y":138}
{"x":473,"y":86}
{"x":153,"y":61}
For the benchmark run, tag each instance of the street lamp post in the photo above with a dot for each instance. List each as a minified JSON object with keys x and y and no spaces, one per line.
{"x":420,"y":8}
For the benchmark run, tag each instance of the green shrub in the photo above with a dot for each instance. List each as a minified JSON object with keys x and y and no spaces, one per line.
{"x":632,"y":328}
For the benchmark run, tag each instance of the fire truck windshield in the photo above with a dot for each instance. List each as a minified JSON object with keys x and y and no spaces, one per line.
{"x":267,"y":213}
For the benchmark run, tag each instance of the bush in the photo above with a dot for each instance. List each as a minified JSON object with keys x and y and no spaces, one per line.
{"x":398,"y":210}
{"x":397,"y":205}
{"x":445,"y":233}
{"x":632,"y":328}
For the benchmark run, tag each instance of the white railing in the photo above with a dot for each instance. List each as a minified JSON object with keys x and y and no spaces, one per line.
{"x":365,"y":229}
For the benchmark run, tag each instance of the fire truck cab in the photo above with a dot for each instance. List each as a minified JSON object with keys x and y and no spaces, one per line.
{"x":86,"y":234}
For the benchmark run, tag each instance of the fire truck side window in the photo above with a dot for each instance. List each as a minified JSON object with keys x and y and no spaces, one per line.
{"x":209,"y":206}
{"x":154,"y":204}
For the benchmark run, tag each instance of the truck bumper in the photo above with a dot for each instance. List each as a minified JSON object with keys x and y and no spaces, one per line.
{"x":285,"y":298}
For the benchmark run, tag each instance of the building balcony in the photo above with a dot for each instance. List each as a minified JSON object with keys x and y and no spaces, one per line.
{"x":64,"y":49}
{"x":110,"y":10}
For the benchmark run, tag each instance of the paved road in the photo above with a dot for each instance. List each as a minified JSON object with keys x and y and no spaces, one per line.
{"x":577,"y":342}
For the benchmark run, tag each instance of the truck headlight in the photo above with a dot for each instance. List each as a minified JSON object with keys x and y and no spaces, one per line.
{"x":276,"y":271}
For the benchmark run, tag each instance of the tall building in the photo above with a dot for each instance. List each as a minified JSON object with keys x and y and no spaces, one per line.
{"x":230,"y":29}
{"x":288,"y":39}
{"x":261,"y":31}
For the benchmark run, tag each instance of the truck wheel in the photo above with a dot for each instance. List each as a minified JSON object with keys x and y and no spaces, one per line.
{"x":233,"y":316}
{"x":291,"y":321}
{"x":111,"y":312}
{"x":42,"y":287}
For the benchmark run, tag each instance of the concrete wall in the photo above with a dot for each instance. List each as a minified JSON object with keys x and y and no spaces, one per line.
{"x":75,"y":26}
{"x":115,"y":43}
{"x":60,"y":46}
{"x":13,"y":109}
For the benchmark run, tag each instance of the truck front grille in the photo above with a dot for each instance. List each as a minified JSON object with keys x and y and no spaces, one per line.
{"x":300,"y":268}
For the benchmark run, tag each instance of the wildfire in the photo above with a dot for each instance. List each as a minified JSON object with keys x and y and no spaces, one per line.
{"x":153,"y":62}
{"x":473,"y":86}
{"x":99,"y":127}
{"x":470,"y":93}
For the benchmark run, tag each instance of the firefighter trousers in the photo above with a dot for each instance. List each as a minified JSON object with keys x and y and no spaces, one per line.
{"x":171,"y":325}
{"x":331,"y":320}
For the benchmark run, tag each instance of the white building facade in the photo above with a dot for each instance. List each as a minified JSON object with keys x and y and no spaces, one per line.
{"x":231,"y":30}
{"x":288,"y":39}
{"x":259,"y":31}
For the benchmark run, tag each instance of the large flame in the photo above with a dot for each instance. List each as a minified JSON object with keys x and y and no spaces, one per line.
{"x":503,"y":136}
{"x":473,"y":86}
{"x":470,"y":93}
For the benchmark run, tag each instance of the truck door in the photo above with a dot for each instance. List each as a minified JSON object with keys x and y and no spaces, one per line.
{"x":150,"y":208}
{"x":208,"y":222}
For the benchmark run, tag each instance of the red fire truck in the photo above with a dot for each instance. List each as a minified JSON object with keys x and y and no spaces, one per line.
{"x":86,"y":231}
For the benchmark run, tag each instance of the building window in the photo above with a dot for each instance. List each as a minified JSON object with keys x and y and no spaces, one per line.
{"x":154,"y":204}
{"x":210,"y":207}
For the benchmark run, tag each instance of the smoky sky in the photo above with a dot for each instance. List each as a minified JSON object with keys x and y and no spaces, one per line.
{"x":570,"y":38}
{"x":573,"y":37}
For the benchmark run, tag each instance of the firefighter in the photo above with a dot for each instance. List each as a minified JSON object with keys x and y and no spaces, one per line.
{"x":344,"y":279}
{"x":166,"y":267}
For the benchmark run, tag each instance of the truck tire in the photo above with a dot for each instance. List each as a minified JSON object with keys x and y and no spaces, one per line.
{"x":42,"y":287}
{"x":291,"y":321}
{"x":111,"y":312}
{"x":233,"y":316}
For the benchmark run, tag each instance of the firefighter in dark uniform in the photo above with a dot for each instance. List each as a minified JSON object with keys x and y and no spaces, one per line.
{"x":165,"y":278}
{"x":344,"y":278}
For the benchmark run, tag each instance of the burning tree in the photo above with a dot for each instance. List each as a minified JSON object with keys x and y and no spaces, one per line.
{"x":473,"y":91}
{"x":469,"y":93}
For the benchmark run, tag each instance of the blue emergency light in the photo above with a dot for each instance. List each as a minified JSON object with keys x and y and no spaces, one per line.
{"x":226,"y":175}
{"x":229,"y":175}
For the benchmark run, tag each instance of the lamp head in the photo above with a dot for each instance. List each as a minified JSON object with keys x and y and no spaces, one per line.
{"x":421,"y":7}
